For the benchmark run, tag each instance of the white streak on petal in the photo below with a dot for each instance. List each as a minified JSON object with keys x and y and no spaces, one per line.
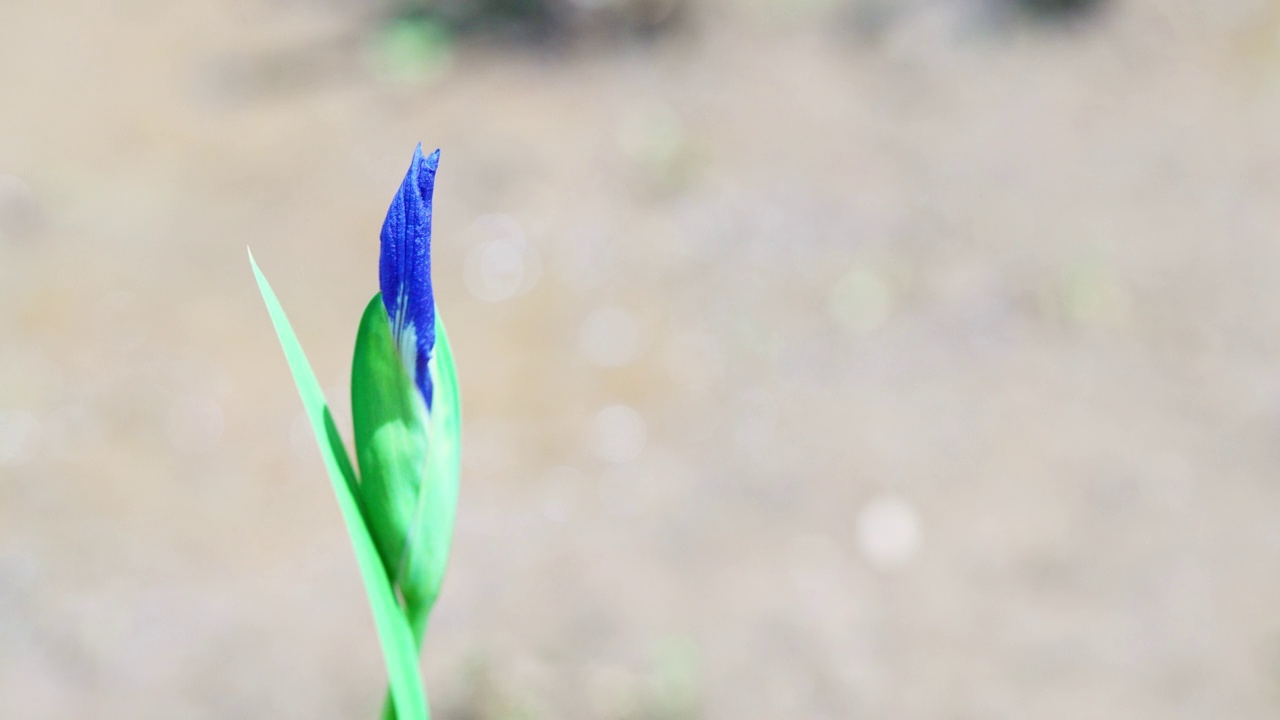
{"x":407,"y":343}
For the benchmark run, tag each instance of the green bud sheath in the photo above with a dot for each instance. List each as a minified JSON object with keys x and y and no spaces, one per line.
{"x":438,"y":502}
{"x":390,"y":420}
{"x":408,"y":459}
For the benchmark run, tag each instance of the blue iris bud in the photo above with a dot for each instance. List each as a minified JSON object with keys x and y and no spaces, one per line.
{"x":404,"y":271}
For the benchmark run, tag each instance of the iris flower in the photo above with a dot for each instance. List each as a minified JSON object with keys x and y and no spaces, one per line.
{"x":405,"y":444}
{"x":398,"y":499}
{"x":404,"y":270}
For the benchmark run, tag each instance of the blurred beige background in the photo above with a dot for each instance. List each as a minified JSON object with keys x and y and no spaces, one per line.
{"x":894,"y":360}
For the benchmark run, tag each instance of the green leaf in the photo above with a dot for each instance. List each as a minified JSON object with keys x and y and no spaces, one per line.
{"x":399,"y":647}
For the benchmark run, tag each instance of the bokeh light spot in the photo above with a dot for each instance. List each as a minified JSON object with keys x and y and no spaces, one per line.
{"x":888,"y":531}
{"x":502,"y":264}
{"x":619,"y":434}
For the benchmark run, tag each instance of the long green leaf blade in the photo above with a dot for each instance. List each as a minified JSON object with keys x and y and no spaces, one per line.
{"x":399,"y":647}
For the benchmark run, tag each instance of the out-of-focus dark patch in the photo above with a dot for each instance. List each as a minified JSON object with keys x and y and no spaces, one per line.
{"x":870,"y":20}
{"x":1059,"y":9}
{"x":512,"y":19}
{"x":925,"y":22}
{"x":547,"y":20}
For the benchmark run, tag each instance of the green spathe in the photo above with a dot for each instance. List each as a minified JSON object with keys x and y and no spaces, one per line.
{"x":438,"y":503}
{"x":390,"y":421}
{"x":408,"y":460}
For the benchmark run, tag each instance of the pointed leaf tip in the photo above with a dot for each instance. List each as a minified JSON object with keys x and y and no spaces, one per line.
{"x":399,"y":646}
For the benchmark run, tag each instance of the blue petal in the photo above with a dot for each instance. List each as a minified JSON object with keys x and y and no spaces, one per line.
{"x":405,"y":269}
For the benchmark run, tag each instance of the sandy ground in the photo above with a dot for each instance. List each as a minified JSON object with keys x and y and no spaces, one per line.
{"x":922,"y":367}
